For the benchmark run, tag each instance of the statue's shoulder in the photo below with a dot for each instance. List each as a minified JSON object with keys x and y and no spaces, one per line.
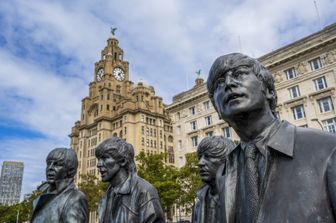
{"x":78,"y":194}
{"x":315,"y":136}
{"x":143,"y":189}
{"x":202,"y":191}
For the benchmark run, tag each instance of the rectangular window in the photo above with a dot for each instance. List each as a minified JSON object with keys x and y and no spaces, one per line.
{"x":294,"y":92}
{"x":193,"y":125}
{"x":320,"y":83}
{"x":290,"y":73}
{"x":206,"y":105}
{"x":194,"y":141}
{"x":208,"y":134}
{"x":192,"y":110}
{"x":330,"y":125}
{"x":298,"y":112}
{"x":325,"y":104}
{"x":227,"y":132}
{"x":315,"y":64}
{"x":208,"y":120}
{"x":178,"y":130}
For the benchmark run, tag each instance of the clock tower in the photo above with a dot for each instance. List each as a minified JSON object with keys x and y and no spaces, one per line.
{"x":111,"y":65}
{"x":115,"y":106}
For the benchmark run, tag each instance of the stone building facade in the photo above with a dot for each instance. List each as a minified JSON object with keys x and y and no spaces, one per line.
{"x":305,"y":78}
{"x":11,"y":182}
{"x":194,"y":118}
{"x":116,"y":106}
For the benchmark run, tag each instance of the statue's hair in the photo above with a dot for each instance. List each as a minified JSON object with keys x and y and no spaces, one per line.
{"x":68,"y":158}
{"x":119,"y":150}
{"x":230,"y":61}
{"x":215,"y":146}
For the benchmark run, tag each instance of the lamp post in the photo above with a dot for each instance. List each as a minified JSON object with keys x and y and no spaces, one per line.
{"x":17,"y":216}
{"x":318,"y":121}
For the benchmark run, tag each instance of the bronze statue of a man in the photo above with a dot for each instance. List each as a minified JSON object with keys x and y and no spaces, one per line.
{"x":61,"y":202}
{"x":279,"y":172}
{"x":211,"y":154}
{"x":129,"y":198}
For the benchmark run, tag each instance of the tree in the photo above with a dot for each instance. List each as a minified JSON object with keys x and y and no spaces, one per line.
{"x":24,"y":209}
{"x":163,"y":177}
{"x":190,"y":181}
{"x":93,"y":189}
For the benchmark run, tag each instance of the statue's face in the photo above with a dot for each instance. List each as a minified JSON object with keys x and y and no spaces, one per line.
{"x":108,"y":167}
{"x":208,"y":166}
{"x":56,"y":170}
{"x":238,"y":91}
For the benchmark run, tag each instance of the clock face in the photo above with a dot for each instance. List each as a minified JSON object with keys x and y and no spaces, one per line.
{"x":119,"y":74}
{"x":100,"y":74}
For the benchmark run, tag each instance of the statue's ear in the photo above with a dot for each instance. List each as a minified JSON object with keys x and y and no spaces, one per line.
{"x":122,"y":162}
{"x":71,"y":173}
{"x":270,"y":94}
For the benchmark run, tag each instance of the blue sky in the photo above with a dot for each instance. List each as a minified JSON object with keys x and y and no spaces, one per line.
{"x":48,"y":50}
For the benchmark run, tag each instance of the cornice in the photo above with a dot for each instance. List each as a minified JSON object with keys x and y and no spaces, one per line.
{"x":295,"y":101}
{"x":300,"y":47}
{"x":175,"y":105}
{"x":188,"y":93}
{"x":322,"y":93}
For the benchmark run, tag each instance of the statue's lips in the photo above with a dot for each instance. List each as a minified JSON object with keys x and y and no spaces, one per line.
{"x":102,"y":172}
{"x":233,"y":96}
{"x":51,"y":175}
{"x":204,"y":172}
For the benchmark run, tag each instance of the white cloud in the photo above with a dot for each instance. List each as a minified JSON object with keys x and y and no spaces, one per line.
{"x":39,"y":99}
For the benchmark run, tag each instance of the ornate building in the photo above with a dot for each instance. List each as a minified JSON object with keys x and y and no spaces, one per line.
{"x":116,"y":106}
{"x":305,"y":76}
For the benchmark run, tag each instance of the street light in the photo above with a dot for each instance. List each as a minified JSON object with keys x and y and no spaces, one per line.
{"x":318,"y":121}
{"x":17,"y":216}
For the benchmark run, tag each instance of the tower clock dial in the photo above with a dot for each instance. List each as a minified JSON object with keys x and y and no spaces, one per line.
{"x":119,"y":73}
{"x":100,"y":74}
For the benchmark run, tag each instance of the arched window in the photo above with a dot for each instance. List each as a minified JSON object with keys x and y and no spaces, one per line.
{"x":171,"y":158}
